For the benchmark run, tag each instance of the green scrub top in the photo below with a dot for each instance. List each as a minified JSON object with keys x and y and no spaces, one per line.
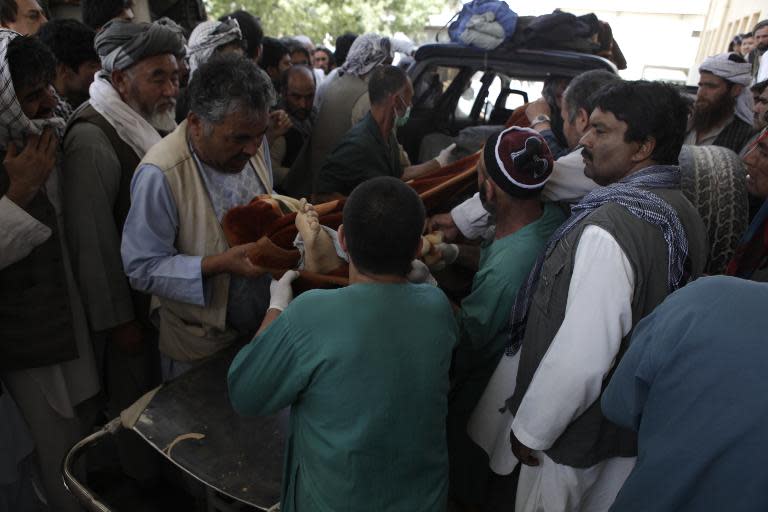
{"x":365,"y":371}
{"x":483,"y":318}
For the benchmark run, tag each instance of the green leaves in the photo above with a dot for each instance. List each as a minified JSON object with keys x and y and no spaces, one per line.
{"x":323,"y":20}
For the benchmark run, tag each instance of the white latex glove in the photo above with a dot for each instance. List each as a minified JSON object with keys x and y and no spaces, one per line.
{"x":444,"y":158}
{"x":419,"y":274}
{"x":448,"y":253}
{"x":280,"y":292}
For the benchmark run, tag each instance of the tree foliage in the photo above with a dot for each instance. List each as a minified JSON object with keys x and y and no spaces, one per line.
{"x":323,"y":20}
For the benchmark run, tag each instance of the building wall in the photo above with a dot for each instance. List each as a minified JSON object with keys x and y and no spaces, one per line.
{"x":725,"y":19}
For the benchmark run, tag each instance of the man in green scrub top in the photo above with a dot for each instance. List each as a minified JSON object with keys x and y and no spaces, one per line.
{"x":370,"y":148}
{"x":511,"y":175}
{"x":364,"y":369}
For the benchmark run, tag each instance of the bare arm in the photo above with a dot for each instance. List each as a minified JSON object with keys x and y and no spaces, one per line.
{"x":415,"y":171}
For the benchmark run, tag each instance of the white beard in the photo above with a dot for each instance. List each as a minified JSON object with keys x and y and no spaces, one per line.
{"x":164,"y":121}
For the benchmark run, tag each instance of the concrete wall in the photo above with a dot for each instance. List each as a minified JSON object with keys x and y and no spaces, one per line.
{"x":725,"y":19}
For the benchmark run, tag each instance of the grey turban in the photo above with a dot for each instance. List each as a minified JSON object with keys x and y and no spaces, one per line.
{"x":208,"y":36}
{"x":121,"y":44}
{"x":367,"y":52}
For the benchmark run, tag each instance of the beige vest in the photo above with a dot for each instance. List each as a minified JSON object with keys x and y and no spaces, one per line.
{"x":189,"y":332}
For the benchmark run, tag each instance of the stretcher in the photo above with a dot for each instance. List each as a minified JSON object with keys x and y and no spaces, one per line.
{"x":190,"y":421}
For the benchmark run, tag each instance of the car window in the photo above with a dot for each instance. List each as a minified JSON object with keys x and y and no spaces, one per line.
{"x":530,"y":88}
{"x":469,"y":96}
{"x":431,"y":85}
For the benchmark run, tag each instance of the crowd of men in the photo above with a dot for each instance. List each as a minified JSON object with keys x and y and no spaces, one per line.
{"x":591,"y":352}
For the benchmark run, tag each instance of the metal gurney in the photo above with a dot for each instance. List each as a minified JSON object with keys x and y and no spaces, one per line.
{"x":190,"y":421}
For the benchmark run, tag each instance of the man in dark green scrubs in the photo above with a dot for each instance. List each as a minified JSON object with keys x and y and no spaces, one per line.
{"x":370,"y":148}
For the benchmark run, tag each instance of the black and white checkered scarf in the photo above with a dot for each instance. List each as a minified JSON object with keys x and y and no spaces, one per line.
{"x":14,"y":125}
{"x":631,"y":194}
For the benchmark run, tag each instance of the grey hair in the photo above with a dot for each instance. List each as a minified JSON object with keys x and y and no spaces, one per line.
{"x":228,"y":83}
{"x":580,"y":89}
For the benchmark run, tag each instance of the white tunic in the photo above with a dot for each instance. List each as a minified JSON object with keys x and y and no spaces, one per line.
{"x":568,"y":380}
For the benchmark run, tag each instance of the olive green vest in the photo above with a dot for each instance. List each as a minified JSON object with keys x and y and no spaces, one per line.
{"x":591,"y":438}
{"x":129,"y":160}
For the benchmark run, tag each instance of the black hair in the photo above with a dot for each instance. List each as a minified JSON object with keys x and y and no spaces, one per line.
{"x":736,"y":41}
{"x":383,"y":220}
{"x":553,"y":86}
{"x":288,"y":73}
{"x":70,"y":41}
{"x":747,"y":35}
{"x":650,"y":109}
{"x":253,"y":34}
{"x":295,"y":46}
{"x":735,"y":57}
{"x":343,"y":44}
{"x":274,"y":50}
{"x":226,"y":82}
{"x":582,"y":87}
{"x":385,"y":80}
{"x":96,"y":13}
{"x":30,"y":62}
{"x":328,"y":53}
{"x":759,"y":87}
{"x":8,"y":11}
{"x":760,"y":24}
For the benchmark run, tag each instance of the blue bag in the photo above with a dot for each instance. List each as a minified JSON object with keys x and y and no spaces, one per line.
{"x":505,"y":16}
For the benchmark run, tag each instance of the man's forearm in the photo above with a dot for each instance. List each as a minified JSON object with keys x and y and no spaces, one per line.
{"x":269,"y":317}
{"x":213,"y":265}
{"x":415,"y":171}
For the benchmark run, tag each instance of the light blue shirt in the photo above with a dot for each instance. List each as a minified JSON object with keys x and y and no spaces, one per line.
{"x":692,"y":384}
{"x":154,"y":265}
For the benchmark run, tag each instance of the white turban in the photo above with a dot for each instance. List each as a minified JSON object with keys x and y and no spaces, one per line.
{"x":208,"y":36}
{"x":14,"y":124}
{"x":735,"y":72}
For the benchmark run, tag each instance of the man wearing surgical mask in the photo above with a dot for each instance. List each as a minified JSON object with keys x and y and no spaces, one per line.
{"x":370,"y":149}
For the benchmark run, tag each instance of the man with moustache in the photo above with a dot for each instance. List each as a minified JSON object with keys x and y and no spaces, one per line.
{"x":46,"y":357}
{"x":722,"y":114}
{"x":76,"y":61}
{"x":511,"y":175}
{"x":751,"y":258}
{"x":132,"y":105}
{"x":206,"y":294}
{"x":758,"y":51}
{"x":296,"y":99}
{"x":625,"y":247}
{"x":760,"y":105}
{"x":567,"y":182}
{"x":22,"y":16}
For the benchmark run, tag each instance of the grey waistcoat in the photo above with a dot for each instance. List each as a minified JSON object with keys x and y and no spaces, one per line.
{"x":591,"y":438}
